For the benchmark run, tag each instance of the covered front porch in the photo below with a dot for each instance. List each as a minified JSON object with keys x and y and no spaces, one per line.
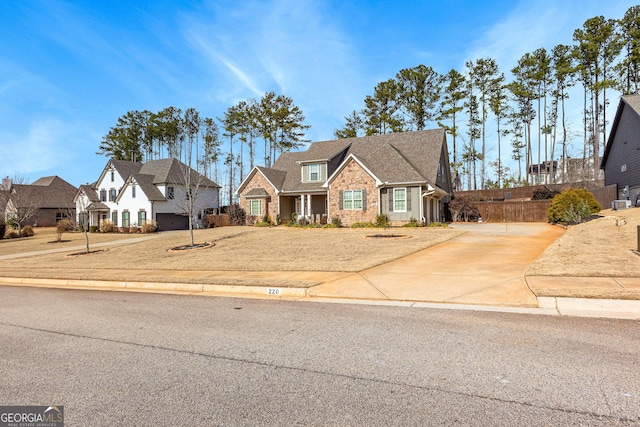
{"x":308,"y":207}
{"x":432,"y":206}
{"x":93,"y":215}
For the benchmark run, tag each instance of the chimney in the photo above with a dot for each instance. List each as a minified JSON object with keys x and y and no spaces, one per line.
{"x":6,"y":183}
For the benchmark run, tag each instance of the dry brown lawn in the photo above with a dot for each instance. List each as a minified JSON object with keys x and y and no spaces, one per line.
{"x":603,"y":247}
{"x":45,"y":238}
{"x":242,"y":249}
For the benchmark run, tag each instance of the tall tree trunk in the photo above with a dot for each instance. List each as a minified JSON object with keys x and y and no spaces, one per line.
{"x":564,"y":143}
{"x":596,"y":132}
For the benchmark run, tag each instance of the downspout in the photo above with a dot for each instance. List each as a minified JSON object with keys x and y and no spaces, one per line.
{"x":328,"y":204}
{"x":422,"y":218}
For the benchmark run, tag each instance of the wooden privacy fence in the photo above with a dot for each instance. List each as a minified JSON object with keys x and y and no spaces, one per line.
{"x":514,"y":211}
{"x":605,"y":195}
{"x":215,"y":221}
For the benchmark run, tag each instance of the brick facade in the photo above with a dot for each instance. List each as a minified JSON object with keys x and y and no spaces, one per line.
{"x":269,"y":207}
{"x":353,"y":177}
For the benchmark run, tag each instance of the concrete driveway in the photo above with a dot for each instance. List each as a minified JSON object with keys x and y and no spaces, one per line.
{"x":485,"y":265}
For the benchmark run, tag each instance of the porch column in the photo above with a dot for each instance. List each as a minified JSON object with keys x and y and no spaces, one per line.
{"x":309,"y":207}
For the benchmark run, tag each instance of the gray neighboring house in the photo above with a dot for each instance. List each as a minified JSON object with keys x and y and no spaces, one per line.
{"x":404,"y":175}
{"x":50,"y":199}
{"x":621,"y":160}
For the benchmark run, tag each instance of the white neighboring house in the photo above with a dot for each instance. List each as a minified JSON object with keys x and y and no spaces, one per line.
{"x":132,"y":193}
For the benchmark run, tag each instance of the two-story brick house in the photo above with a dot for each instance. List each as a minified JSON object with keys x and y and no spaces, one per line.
{"x":404,"y":175}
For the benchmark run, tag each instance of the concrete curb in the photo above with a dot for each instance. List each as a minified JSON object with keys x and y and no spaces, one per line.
{"x":261,"y":291}
{"x":592,"y":307}
{"x":563,"y":306}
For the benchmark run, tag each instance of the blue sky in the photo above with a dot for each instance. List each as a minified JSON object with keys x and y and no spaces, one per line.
{"x":69,"y":69}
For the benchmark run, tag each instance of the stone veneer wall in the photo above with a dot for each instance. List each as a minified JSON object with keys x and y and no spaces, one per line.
{"x":353,"y":177}
{"x":259,"y":181}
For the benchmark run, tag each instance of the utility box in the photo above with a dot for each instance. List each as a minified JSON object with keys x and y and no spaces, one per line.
{"x":618,"y":205}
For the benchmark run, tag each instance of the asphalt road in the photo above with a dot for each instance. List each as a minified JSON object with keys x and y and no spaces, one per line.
{"x":127,"y":359}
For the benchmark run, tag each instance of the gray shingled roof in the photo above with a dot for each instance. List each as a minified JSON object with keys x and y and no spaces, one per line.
{"x":50,"y":192}
{"x":97,"y":206}
{"x":394,"y":158}
{"x":170,"y":171}
{"x":257,"y":192}
{"x":276,"y":177}
{"x":90,"y":191}
{"x":126,"y":168}
{"x":147,"y":186}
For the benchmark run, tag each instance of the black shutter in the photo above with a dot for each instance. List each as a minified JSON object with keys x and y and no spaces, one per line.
{"x":364,"y":200}
{"x":390,"y":190}
{"x":408,"y":199}
{"x":340,"y":200}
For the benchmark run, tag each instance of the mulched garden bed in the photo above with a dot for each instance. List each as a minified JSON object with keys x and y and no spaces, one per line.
{"x":195,"y":246}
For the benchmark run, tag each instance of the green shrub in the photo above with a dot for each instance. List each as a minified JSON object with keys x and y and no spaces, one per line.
{"x":437,"y":224}
{"x":262,"y":224}
{"x":382,"y":221}
{"x":27,"y":231}
{"x":330,"y":225}
{"x":572,"y":206}
{"x":413,"y":222}
{"x":3,"y":227}
{"x":12,"y":224}
{"x":93,"y":229}
{"x":149,"y":227}
{"x":544,"y":194}
{"x":363,"y":225}
{"x":336,"y":222}
{"x":107,"y":226}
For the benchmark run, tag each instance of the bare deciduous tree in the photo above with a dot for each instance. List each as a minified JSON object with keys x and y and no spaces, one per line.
{"x":23,"y":202}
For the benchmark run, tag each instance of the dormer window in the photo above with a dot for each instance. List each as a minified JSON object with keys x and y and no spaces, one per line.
{"x":314,"y":172}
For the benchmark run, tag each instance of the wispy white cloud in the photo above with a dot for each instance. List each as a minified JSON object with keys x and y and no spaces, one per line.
{"x":290,"y":47}
{"x":38,"y":149}
{"x":533,"y":24}
{"x":208,"y":50}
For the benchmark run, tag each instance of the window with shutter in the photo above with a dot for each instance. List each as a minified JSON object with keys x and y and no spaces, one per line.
{"x":352,"y":199}
{"x":400,"y":199}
